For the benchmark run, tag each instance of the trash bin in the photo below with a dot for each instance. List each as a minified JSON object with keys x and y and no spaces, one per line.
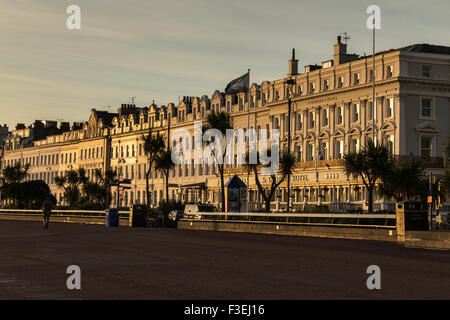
{"x":137,"y":215}
{"x":112,"y":217}
{"x":411,"y":216}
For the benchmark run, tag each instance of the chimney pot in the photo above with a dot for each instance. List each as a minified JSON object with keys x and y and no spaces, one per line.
{"x":293,"y":65}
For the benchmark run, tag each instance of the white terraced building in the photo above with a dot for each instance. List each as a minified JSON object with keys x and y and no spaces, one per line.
{"x":332,"y":113}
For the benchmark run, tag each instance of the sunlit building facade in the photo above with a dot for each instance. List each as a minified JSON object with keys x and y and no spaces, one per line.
{"x":333,"y":112}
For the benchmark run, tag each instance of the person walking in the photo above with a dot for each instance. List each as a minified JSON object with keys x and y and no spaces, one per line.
{"x":47,"y":207}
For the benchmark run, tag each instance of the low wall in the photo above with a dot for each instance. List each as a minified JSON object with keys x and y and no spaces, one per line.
{"x":335,"y":231}
{"x":428,"y":239}
{"x":67,"y":219}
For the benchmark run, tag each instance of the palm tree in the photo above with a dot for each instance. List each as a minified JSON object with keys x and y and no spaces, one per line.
{"x":70,"y":182}
{"x":446,"y":178}
{"x":403,"y":182}
{"x":15,"y":173}
{"x":371,"y":163}
{"x":106,"y":179}
{"x":222,"y":122}
{"x":153,"y":146}
{"x":95,"y":193}
{"x":287,"y":166}
{"x":164,"y":163}
{"x":11,"y":178}
{"x":446,"y":181}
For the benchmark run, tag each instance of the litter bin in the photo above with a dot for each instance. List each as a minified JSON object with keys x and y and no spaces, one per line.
{"x":411,"y":216}
{"x":138,"y":213}
{"x":112,"y":217}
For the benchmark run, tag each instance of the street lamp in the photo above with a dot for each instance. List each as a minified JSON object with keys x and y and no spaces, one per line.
{"x":290,"y":83}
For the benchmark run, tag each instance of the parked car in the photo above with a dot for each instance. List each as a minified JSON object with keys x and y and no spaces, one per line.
{"x":155,"y":219}
{"x":193,"y":211}
{"x":173,"y":217}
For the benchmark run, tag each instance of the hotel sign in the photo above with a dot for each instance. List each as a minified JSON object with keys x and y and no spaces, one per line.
{"x":323,"y":100}
{"x":300,"y":178}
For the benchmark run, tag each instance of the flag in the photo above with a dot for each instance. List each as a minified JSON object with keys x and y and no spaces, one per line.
{"x":240,"y":84}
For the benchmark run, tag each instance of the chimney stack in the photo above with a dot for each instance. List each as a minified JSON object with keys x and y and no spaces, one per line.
{"x":293,"y":65}
{"x":340,"y":52}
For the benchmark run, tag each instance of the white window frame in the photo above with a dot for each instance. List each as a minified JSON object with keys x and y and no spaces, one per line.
{"x":340,"y":116}
{"x":432,"y":115}
{"x":433,"y":139}
{"x":325,"y":116}
{"x":391,"y":108}
{"x":356,"y":78}
{"x":312,"y":116}
{"x":355,"y":110}
{"x":387,"y":137}
{"x":389,"y":71}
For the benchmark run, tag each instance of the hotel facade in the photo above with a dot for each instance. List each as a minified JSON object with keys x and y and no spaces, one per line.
{"x":332,"y":113}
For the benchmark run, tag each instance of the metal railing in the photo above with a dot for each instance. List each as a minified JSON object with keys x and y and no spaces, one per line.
{"x":63,"y":213}
{"x":343,"y":219}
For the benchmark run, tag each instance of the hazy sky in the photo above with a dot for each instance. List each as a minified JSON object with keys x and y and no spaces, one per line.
{"x":160,"y":50}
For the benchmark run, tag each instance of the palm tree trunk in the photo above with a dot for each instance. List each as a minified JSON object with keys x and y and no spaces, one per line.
{"x":147,"y":189}
{"x":167,"y":185}
{"x":267,"y":205}
{"x":262,"y":192}
{"x":222,"y":186}
{"x":370,"y":199}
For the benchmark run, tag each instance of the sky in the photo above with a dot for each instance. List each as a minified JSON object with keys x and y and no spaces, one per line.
{"x":161,"y":50}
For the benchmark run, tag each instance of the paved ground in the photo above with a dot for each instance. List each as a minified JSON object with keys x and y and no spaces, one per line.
{"x":181,"y":264}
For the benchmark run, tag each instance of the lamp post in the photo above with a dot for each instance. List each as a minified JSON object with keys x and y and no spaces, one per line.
{"x":290,"y":83}
{"x":373,"y":79}
{"x":373,"y":87}
{"x":119,"y":161}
